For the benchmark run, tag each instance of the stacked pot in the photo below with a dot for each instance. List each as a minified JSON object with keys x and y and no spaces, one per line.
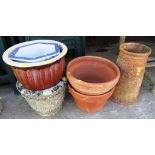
{"x":92,"y":81}
{"x":40,"y":82}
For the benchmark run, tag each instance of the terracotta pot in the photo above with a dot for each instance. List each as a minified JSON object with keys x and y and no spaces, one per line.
{"x":38,"y":75}
{"x":132,"y":60}
{"x":92,"y":75}
{"x":89,"y":103}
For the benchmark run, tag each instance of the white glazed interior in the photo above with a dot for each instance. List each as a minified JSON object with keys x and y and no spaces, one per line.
{"x":10,"y":62}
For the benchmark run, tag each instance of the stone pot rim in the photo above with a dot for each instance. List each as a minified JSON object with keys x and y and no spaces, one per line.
{"x":124,"y":45}
{"x":89,"y":83}
{"x":39,"y":93}
{"x":10,"y":62}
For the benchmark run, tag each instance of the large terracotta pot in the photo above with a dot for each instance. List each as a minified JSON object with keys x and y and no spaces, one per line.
{"x":132,"y":60}
{"x":38,"y":75}
{"x":92,"y":75}
{"x":89,"y":103}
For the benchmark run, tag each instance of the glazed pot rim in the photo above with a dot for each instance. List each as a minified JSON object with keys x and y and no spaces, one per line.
{"x":92,"y":96}
{"x":89,"y":83}
{"x":10,"y":62}
{"x":123,"y":45}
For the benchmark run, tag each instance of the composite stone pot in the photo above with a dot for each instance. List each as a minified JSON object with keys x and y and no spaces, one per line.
{"x":132,"y":60}
{"x":38,"y":75}
{"x":45,"y":102}
{"x":88,"y":103}
{"x":92,"y":75}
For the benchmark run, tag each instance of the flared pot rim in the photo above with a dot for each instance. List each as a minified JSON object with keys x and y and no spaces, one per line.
{"x":10,"y":62}
{"x":115,"y":79}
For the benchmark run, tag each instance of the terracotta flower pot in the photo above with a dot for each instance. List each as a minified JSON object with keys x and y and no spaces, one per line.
{"x":92,"y":75}
{"x":132,"y":60}
{"x":38,"y":75}
{"x":89,"y":103}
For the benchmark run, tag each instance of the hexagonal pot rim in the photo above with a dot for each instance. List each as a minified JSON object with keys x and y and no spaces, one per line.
{"x":10,"y":62}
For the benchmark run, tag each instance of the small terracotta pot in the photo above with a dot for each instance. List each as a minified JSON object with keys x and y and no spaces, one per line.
{"x":89,"y":103}
{"x":92,"y":75}
{"x":38,"y":75}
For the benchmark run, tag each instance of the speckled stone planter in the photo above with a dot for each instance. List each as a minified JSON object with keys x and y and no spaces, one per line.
{"x":46,"y":102}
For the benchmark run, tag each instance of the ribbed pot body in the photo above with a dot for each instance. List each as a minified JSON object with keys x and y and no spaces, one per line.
{"x":42,"y":77}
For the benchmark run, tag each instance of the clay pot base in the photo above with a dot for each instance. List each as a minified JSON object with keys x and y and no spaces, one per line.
{"x":87,"y":103}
